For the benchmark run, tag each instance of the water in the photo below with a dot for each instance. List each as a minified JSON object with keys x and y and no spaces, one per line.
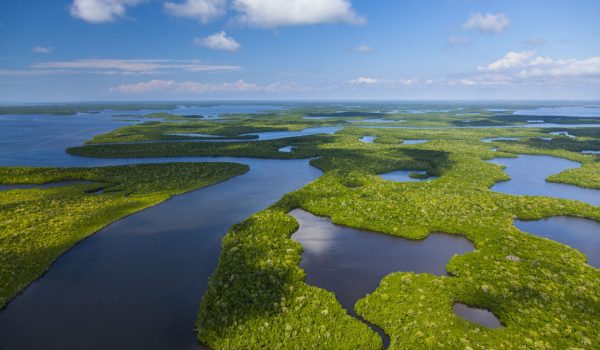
{"x":491,"y":139}
{"x":137,"y":284}
{"x":562,"y":133}
{"x":590,"y":152}
{"x":377,"y":120}
{"x":582,"y":111}
{"x":532,"y":125}
{"x":579,"y":233}
{"x":367,"y":139}
{"x":528,"y":177}
{"x":404,"y":176}
{"x":414,"y":142}
{"x":287,"y":149}
{"x":351,"y":262}
{"x":479,"y":316}
{"x":275,"y":135}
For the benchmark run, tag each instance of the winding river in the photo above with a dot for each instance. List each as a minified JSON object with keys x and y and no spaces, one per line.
{"x":136,"y":283}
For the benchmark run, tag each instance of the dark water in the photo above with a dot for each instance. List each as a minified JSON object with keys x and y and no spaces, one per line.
{"x":581,"y":234}
{"x":479,"y":316}
{"x":528,"y":177}
{"x":404,"y":176}
{"x":351,"y":262}
{"x":137,"y":283}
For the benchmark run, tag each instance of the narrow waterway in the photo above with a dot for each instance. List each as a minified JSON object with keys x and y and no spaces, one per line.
{"x":137,"y":283}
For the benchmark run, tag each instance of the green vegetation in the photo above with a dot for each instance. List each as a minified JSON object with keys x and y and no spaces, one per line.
{"x":549,"y":298}
{"x":38,"y":225}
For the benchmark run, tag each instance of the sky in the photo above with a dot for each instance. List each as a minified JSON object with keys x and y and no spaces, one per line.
{"x":111,"y":50}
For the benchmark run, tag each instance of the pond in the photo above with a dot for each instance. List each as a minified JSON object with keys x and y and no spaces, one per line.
{"x":491,"y":139}
{"x":590,"y":152}
{"x":287,"y":149}
{"x":480,"y":316}
{"x":528,"y":177}
{"x":414,"y":142}
{"x":579,"y":233}
{"x":405,"y":176}
{"x":367,"y":139}
{"x":350,"y":262}
{"x":274,"y":135}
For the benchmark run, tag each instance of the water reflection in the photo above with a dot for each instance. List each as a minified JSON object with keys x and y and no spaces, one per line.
{"x":368,"y":139}
{"x":405,"y":176}
{"x":479,"y":316}
{"x":581,"y":234}
{"x":351,"y":262}
{"x":528,"y":177}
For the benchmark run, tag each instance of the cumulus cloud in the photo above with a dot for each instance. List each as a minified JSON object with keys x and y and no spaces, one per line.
{"x":185,"y":86}
{"x":218,"y":41}
{"x":362,"y":49}
{"x":42,"y":49}
{"x":202,"y":10}
{"x":487,"y":23}
{"x":391,"y":83}
{"x":142,"y":66}
{"x":278,"y":13}
{"x":98,"y":11}
{"x":510,"y":60}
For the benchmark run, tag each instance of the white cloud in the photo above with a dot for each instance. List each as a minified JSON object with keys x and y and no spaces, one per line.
{"x":488,"y":23}
{"x":364,"y":81}
{"x":218,"y":41}
{"x":510,"y":60}
{"x":42,"y":49}
{"x":391,"y":83}
{"x":362,"y":49}
{"x":184,"y":86}
{"x":456,"y":41}
{"x":98,"y":11}
{"x":278,"y":13}
{"x":202,"y":10}
{"x":141,"y":66}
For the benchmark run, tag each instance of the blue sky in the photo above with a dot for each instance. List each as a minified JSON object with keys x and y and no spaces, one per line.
{"x":83,"y":50}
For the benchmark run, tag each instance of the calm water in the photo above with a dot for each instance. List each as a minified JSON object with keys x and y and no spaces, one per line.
{"x":584,"y":111}
{"x":137,"y":284}
{"x":404,"y":176}
{"x":581,"y":234}
{"x":491,"y":139}
{"x":479,"y":316}
{"x":367,"y":139}
{"x":351,"y":262}
{"x":528,"y":177}
{"x":414,"y":142}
